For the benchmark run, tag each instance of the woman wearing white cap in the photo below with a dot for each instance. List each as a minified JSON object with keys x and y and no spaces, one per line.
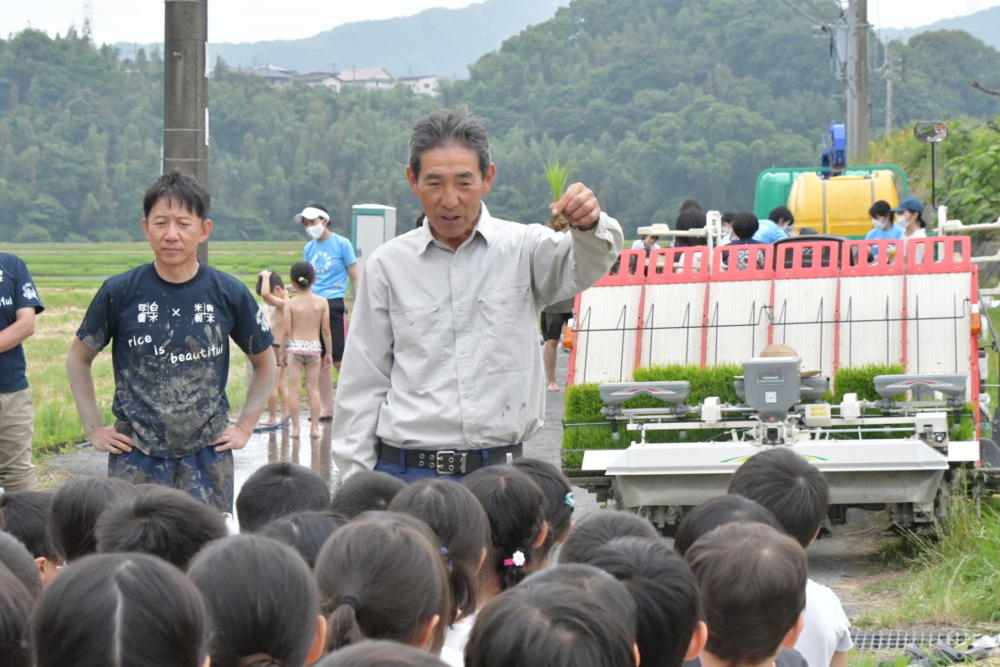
{"x":332,"y":256}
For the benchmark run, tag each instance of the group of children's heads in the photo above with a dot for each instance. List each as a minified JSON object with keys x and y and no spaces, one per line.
{"x":400,"y":570}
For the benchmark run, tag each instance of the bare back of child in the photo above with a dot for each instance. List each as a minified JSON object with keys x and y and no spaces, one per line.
{"x":307,"y":318}
{"x":271,"y":288}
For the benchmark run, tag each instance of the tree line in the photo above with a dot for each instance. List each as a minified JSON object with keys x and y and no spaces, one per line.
{"x":651,"y":102}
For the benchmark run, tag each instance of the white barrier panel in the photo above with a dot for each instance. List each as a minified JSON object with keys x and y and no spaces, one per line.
{"x":739,"y":301}
{"x":674,"y":307}
{"x":607,"y":321}
{"x":939,"y":279}
{"x":805,"y":302}
{"x":872,"y":290}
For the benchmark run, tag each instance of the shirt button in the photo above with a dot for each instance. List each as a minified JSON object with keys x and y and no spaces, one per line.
{"x":463,"y":350}
{"x":409,"y":321}
{"x":461,"y":307}
{"x":503,"y":300}
{"x":456,"y":263}
{"x":467,"y":394}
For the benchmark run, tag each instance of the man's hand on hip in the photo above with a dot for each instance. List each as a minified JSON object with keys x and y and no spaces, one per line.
{"x":580,"y":205}
{"x":233,"y":437}
{"x":107,"y":439}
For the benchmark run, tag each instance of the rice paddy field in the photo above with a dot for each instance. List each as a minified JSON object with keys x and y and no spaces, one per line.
{"x":67,"y":277}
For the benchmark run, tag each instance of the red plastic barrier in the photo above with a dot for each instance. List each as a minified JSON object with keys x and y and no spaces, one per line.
{"x":629,"y":271}
{"x":883,"y":257}
{"x":807,"y":259}
{"x":728,"y":271}
{"x":678,"y":265}
{"x":939,"y":254}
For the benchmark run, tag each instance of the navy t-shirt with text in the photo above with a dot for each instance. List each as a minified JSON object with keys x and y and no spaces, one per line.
{"x":17,"y":290}
{"x":171,"y":353}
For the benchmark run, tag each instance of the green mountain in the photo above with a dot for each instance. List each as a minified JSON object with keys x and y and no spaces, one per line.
{"x":652,"y":101}
{"x":984,"y":24}
{"x":405,"y":45}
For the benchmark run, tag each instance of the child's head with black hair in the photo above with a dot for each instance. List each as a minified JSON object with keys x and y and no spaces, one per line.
{"x":16,"y":558}
{"x":15,"y":608}
{"x":120,"y":609}
{"x":380,"y":653}
{"x":366,"y":491}
{"x":790,"y":487}
{"x":670,"y":629}
{"x":75,"y":509}
{"x":303,"y":275}
{"x":745,"y":225}
{"x":160,"y":521}
{"x":559,"y":503}
{"x":462,"y":527}
{"x":554,"y":624}
{"x":26,"y":516}
{"x":716,"y":512}
{"x":515,"y":507}
{"x":274,"y":280}
{"x":604,"y":587}
{"x":383,"y":576}
{"x":752,"y":581}
{"x":688,"y":219}
{"x":181,"y":189}
{"x":306,"y":532}
{"x":277,"y":489}
{"x":597,"y":529}
{"x":263,"y":602}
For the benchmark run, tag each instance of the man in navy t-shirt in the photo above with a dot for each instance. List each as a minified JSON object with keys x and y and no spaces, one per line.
{"x":170,"y":323}
{"x":19,"y":304}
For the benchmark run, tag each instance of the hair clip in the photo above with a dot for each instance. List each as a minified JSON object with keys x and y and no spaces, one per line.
{"x":569,"y":500}
{"x":516,"y":561}
{"x":444,"y":550}
{"x":351,"y":602}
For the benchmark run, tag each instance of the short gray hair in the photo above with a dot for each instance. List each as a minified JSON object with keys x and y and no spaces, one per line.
{"x":446,"y":125}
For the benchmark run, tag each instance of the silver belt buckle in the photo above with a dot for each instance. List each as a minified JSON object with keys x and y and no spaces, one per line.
{"x":449,"y":470}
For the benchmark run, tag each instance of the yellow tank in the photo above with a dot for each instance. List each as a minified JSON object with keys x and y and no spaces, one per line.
{"x":839,"y":205}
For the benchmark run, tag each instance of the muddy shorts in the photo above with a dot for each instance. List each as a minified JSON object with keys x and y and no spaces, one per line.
{"x":206,"y":475}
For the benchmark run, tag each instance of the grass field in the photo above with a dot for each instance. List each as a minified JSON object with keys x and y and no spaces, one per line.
{"x":67,"y":277}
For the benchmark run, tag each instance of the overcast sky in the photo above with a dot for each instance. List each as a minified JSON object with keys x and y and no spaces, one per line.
{"x":255,"y":20}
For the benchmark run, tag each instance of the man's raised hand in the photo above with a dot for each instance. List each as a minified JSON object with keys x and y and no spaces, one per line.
{"x":580,"y":205}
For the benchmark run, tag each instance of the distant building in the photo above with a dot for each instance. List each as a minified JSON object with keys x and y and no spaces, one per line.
{"x":319,"y":78}
{"x":279,"y":77}
{"x":375,"y":78}
{"x":371,"y":78}
{"x":421,"y":85}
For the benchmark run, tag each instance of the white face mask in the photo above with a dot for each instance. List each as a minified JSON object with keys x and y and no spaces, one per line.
{"x":316,"y":230}
{"x":876,"y":223}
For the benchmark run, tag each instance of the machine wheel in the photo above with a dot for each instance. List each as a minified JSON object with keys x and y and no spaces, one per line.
{"x":951,"y":492}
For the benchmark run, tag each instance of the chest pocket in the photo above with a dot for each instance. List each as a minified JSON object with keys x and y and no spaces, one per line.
{"x":509,"y":329}
{"x":420,"y":362}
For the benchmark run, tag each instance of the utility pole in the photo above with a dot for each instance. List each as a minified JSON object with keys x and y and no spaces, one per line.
{"x":185,"y":92}
{"x":857,"y":81}
{"x":888,"y":92}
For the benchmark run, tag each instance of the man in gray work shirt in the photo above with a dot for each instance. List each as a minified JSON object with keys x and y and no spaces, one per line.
{"x":442,"y":372}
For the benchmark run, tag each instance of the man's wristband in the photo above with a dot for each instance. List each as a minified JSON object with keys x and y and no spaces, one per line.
{"x":585,"y":229}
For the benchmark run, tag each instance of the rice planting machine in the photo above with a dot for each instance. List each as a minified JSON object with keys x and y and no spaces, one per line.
{"x":820,"y":305}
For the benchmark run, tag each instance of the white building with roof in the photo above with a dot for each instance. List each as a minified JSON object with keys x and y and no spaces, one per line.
{"x":421,"y":85}
{"x":279,"y":77}
{"x":375,"y":78}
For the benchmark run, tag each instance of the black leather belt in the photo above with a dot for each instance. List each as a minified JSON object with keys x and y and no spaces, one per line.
{"x":449,"y":461}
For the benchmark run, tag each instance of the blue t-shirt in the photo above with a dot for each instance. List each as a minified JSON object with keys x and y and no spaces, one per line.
{"x":171,"y":353}
{"x":16,"y":291}
{"x":880,"y":234}
{"x":330,"y":259}
{"x":768,"y":232}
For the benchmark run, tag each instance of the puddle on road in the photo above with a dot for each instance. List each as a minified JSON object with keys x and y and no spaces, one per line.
{"x":273,"y":446}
